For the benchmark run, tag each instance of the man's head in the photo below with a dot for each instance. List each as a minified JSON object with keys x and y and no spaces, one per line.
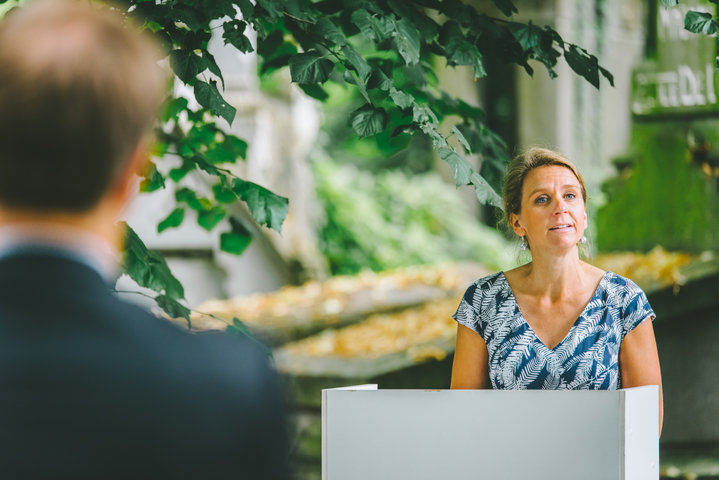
{"x":78,"y":94}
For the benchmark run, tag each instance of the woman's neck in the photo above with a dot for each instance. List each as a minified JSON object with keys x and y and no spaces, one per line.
{"x":553,"y":276}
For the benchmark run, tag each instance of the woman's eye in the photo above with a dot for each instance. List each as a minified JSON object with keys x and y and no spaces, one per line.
{"x":571,"y":196}
{"x":541,"y":199}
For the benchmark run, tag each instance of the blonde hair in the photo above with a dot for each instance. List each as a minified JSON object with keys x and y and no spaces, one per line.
{"x":518,"y":169}
{"x":79,"y":90}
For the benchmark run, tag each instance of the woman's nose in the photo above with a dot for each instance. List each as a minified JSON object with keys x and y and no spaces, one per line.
{"x":560,"y":208}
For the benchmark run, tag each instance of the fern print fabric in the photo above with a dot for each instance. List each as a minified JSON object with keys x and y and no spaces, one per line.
{"x":586,"y":359}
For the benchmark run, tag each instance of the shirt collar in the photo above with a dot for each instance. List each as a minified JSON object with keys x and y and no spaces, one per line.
{"x":60,"y":241}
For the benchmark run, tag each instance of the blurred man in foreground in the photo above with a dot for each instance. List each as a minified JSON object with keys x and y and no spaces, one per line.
{"x":92,"y":387}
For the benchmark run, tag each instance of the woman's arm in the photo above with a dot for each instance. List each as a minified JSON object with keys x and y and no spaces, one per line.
{"x":639,"y":361}
{"x":470,"y":368}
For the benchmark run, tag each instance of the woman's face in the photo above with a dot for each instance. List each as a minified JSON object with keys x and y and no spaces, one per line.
{"x":553,"y":215}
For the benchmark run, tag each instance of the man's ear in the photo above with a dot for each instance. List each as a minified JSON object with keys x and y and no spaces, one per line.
{"x":514,"y":221}
{"x":137,"y":164}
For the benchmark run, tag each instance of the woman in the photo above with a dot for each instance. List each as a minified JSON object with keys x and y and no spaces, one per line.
{"x":556,"y":322}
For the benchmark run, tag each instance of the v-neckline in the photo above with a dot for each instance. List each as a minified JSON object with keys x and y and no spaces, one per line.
{"x":574,"y":324}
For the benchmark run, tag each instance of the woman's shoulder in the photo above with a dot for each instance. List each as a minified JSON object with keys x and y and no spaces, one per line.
{"x":619,"y":282}
{"x":621,"y":290}
{"x":487,"y":287}
{"x":629,"y":299}
{"x":490,"y":282}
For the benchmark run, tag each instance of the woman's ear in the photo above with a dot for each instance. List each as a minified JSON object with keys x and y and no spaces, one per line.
{"x":516,"y":225}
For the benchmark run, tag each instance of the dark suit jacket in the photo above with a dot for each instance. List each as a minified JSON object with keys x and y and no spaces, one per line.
{"x":93,"y":387}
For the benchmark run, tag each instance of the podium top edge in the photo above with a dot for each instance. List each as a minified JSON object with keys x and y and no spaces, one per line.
{"x":374,"y":387}
{"x":366,"y":386}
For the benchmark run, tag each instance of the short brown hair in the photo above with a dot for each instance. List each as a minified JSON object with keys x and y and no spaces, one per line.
{"x":519,"y":168}
{"x":78,"y":92}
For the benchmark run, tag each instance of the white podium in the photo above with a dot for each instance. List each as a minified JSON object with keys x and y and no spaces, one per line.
{"x":371,"y":434}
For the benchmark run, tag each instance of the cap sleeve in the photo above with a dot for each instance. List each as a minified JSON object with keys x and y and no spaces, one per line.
{"x":635,"y":308}
{"x":468,"y":312}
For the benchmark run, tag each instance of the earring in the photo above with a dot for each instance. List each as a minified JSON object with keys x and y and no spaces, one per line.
{"x":583,"y":240}
{"x":523,"y":245}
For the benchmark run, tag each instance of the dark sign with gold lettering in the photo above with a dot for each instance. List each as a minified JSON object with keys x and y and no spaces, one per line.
{"x":681,"y":79}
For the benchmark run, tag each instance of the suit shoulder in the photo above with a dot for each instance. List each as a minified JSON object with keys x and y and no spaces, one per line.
{"x":168,"y":343}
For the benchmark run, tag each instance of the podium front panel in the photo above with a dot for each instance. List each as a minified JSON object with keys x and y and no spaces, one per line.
{"x":478,"y":434}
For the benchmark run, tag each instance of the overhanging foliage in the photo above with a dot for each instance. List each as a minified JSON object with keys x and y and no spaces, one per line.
{"x":386,"y":49}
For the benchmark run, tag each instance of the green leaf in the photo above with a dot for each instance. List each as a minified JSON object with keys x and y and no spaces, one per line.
{"x":458,"y":50}
{"x":173,"y":308}
{"x":465,"y":53}
{"x":408,"y":42}
{"x":185,"y":195}
{"x":246,"y":8}
{"x":177,"y":174}
{"x":315,"y":91}
{"x":506,"y":7}
{"x":209,"y":97}
{"x":310,"y":67}
{"x":148,"y":269}
{"x":356,"y":61}
{"x":268,"y":45}
{"x":194,"y":41}
{"x":218,"y":8}
{"x":583,"y":64}
{"x":350,"y":76}
{"x":238,"y":328}
{"x":266,"y":207}
{"x":233,"y":33}
{"x":379,"y":79}
{"x":209,"y":218}
{"x":401,"y":99}
{"x":273,"y":9}
{"x":538,"y":44}
{"x":528,"y":35}
{"x":376,"y":29}
{"x":199,"y":135}
{"x":484,"y":191}
{"x":173,"y":220}
{"x":478,"y":67}
{"x":326,"y":28}
{"x":275,"y":52}
{"x":186,"y":65}
{"x":218,"y":155}
{"x":368,"y":120}
{"x":427,"y":27}
{"x":460,"y":138}
{"x":608,"y":75}
{"x":205,"y":165}
{"x":212,"y":66}
{"x":237,"y":239}
{"x":700,"y":22}
{"x":173,"y":108}
{"x":423,"y":114}
{"x":460,"y":168}
{"x":236,"y":145}
{"x":153,"y":180}
{"x":223,"y":192}
{"x":472,"y":136}
{"x":670,"y":3}
{"x":189,"y":16}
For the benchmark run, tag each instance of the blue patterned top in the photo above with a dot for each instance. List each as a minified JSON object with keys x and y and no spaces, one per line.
{"x":586,"y":359}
